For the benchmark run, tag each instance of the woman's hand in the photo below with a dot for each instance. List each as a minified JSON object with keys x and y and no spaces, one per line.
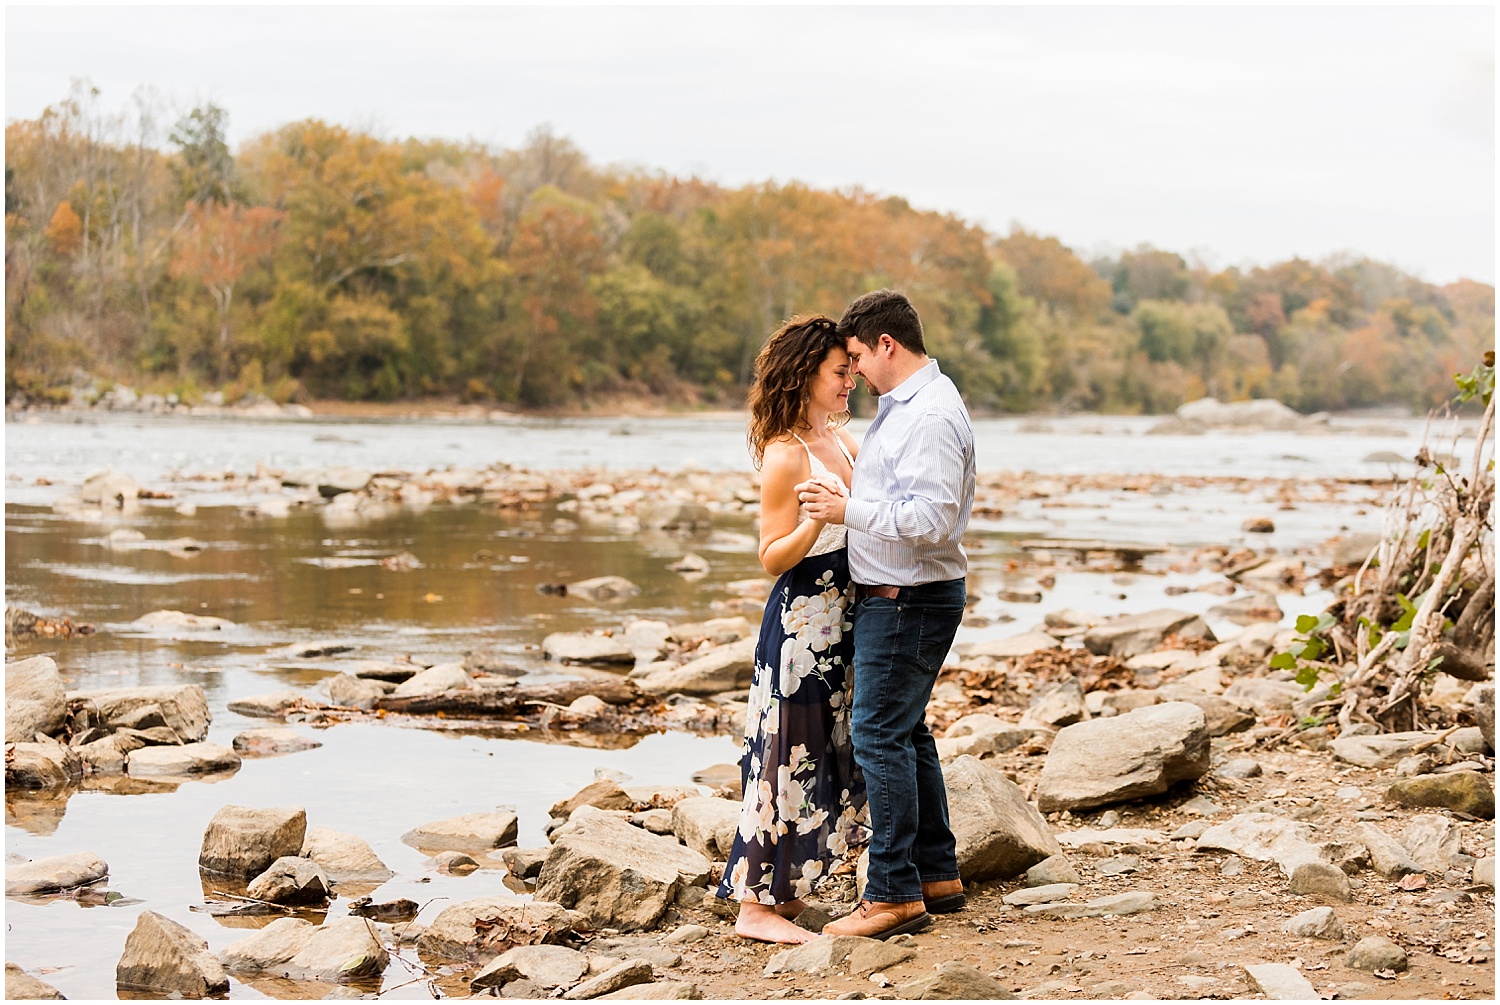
{"x":824,"y":498}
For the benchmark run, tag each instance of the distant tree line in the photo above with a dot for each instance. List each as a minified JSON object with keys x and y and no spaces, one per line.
{"x":323,"y":262}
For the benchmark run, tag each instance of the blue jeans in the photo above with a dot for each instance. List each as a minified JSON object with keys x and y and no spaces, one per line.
{"x":899,"y":646}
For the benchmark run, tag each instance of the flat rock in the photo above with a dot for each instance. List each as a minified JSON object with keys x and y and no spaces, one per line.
{"x":57,"y":872}
{"x":183,"y":707}
{"x":21,"y":986}
{"x":188,"y":759}
{"x":1248,"y":610}
{"x":602,"y":793}
{"x":268,"y":741}
{"x":291,"y":880}
{"x":1317,"y":923}
{"x":434,"y":680}
{"x":1220,"y":715}
{"x":163,"y":956}
{"x":344,"y":857}
{"x":1376,"y":952}
{"x":706,"y":825}
{"x":871,"y":956}
{"x":339,"y":950}
{"x":625,"y":975}
{"x":956,"y":981}
{"x":1116,"y":905}
{"x":1051,"y":871}
{"x":35,"y":699}
{"x":1432,"y":841}
{"x":1110,"y":836}
{"x":815,"y":956}
{"x":603,"y":588}
{"x":1383,"y":750}
{"x":593,"y":648}
{"x":1051,"y":893}
{"x":270,"y":705}
{"x":1264,"y":697}
{"x":1265,"y":837}
{"x":657,"y":991}
{"x":998,"y":833}
{"x":470,"y":832}
{"x":546,"y":966}
{"x":1011,"y":647}
{"x":243,"y":841}
{"x":1465,"y":791}
{"x":1140,"y":753}
{"x":485,"y":927}
{"x":1239,"y":767}
{"x":177,"y":623}
{"x":1280,"y":982}
{"x":1132,"y":634}
{"x":618,"y":875}
{"x":728,"y":667}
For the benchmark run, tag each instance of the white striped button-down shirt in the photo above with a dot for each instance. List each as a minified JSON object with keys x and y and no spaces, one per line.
{"x":913,"y":486}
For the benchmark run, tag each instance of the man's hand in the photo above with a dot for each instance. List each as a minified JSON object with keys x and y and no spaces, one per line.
{"x":824,"y":499}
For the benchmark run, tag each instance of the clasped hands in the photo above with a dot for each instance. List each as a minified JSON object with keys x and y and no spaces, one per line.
{"x":824,"y":497}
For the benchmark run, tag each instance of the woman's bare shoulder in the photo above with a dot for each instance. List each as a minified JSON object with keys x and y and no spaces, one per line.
{"x":784,"y":456}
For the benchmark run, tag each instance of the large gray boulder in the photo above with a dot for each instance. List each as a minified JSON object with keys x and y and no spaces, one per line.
{"x":1140,"y":753}
{"x":35,"y":700}
{"x":21,"y":986}
{"x":999,"y":833}
{"x":1132,"y":634}
{"x":619,"y":875}
{"x":163,"y":956}
{"x":725,"y":668}
{"x":344,"y":949}
{"x":344,"y":857}
{"x":57,"y":872}
{"x":242,"y":841}
{"x":588,"y":648}
{"x":183,"y":707}
{"x":483,"y":928}
{"x":475,"y":832}
{"x":547,"y":967}
{"x":707,"y":825}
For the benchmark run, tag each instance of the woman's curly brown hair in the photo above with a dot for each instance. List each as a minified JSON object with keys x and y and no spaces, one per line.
{"x":783,"y":370}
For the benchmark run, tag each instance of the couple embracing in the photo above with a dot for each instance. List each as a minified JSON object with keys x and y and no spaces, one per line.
{"x":866,"y":541}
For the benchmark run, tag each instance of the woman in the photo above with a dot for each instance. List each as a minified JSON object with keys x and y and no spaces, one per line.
{"x":804,"y":801}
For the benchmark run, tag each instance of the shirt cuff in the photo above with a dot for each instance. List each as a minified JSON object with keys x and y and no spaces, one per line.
{"x":858,"y":513}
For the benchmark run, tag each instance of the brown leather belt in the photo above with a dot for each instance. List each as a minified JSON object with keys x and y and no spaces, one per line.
{"x":861,"y":591}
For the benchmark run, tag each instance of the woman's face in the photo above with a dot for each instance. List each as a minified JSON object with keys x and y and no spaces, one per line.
{"x":830,"y":386}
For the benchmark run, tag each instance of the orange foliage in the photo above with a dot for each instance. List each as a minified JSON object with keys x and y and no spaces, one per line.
{"x":65,"y":231}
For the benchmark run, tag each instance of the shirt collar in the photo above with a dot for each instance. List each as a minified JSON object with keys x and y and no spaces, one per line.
{"x":908,"y":388}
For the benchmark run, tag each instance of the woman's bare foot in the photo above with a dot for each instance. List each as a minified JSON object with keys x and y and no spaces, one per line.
{"x":757,"y":921}
{"x":790,"y":909}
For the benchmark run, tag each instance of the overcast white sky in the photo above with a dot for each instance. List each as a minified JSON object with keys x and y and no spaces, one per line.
{"x":1245,"y":135}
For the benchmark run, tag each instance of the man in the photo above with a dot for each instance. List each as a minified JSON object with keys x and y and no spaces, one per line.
{"x":910,"y":502}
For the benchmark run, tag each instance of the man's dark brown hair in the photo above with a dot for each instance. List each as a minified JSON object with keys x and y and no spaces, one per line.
{"x":884,"y":312}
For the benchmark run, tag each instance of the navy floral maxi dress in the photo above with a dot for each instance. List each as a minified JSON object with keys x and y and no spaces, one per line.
{"x":804,"y":803}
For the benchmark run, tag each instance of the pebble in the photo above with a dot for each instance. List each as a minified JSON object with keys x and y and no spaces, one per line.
{"x":1239,"y":767}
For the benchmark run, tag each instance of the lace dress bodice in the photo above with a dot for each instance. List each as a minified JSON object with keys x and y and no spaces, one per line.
{"x":833,"y":536}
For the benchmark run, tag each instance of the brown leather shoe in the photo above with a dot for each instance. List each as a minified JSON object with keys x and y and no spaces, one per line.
{"x":877,"y":920}
{"x":944,"y":896}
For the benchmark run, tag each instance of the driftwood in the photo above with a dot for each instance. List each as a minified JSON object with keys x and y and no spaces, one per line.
{"x":512,"y":701}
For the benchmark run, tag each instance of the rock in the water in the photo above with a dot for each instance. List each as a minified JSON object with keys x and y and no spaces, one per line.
{"x":479,"y":832}
{"x":1058,"y":705}
{"x":58,"y":872}
{"x":348,"y":691}
{"x":726,"y":668}
{"x":1140,"y":753}
{"x":344,"y":857}
{"x":1052,"y":870}
{"x":955,"y":980}
{"x":616,"y":978}
{"x":344,"y":949}
{"x":243,"y":841}
{"x":589,"y":648}
{"x":21,"y":986}
{"x":546,"y":966}
{"x":618,"y":875}
{"x":268,"y":741}
{"x":161,"y":955}
{"x":271,"y":705}
{"x":188,"y":759}
{"x":1384,"y":750}
{"x":1132,"y":634}
{"x":1432,"y":841}
{"x":1318,"y":923}
{"x":1387,"y":857}
{"x":603,"y":588}
{"x":182,"y":707}
{"x":291,"y":880}
{"x":1376,"y":952}
{"x":603,"y":793}
{"x":35,"y":701}
{"x":999,"y":833}
{"x":483,"y":928}
{"x":1280,"y":982}
{"x":1248,"y":610}
{"x":706,"y":825}
{"x":434,"y":680}
{"x":41,"y":765}
{"x":1465,"y":791}
{"x":177,"y":623}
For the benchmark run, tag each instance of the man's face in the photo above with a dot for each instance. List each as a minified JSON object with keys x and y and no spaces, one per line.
{"x":871,"y":364}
